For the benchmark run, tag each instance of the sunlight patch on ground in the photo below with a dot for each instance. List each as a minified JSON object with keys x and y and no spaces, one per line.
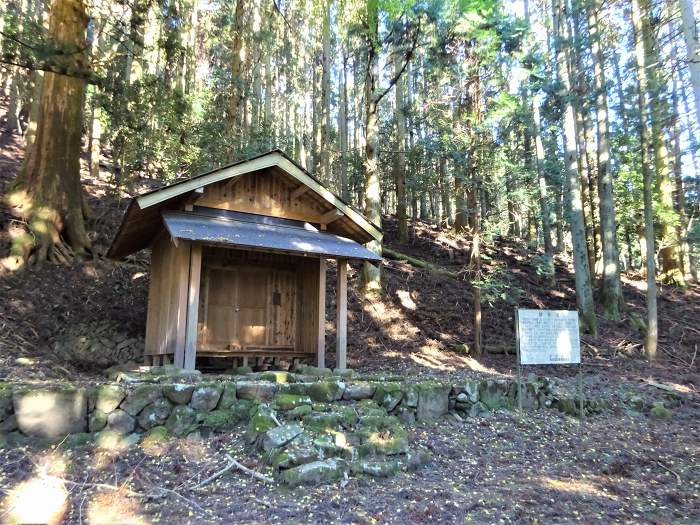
{"x":115,"y":507}
{"x":406,"y":299}
{"x":576,"y":486}
{"x":41,"y":499}
{"x":638,"y":285}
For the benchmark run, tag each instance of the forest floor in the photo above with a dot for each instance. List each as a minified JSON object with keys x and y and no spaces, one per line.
{"x":538,"y":467}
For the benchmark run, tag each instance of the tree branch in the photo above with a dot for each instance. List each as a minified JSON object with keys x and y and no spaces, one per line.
{"x":397,"y":76}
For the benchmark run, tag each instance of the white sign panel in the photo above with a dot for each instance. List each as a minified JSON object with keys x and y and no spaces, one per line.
{"x":548,"y":337}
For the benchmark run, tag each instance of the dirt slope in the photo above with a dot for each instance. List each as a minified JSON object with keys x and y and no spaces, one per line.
{"x":423,"y":323}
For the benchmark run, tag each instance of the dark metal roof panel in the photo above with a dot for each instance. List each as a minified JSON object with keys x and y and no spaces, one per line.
{"x":257,"y":235}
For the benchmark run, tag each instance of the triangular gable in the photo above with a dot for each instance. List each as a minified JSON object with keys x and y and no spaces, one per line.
{"x":273,"y":159}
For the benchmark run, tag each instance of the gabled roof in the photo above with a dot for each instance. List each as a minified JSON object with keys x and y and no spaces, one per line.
{"x":143,"y":220}
{"x":255,"y":232}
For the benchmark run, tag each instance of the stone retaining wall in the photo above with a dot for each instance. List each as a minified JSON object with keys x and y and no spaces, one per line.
{"x":333,"y":421}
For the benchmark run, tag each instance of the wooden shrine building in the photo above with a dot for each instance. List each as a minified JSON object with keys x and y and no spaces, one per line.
{"x":238,"y":262}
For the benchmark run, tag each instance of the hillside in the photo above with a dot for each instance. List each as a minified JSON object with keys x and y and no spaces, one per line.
{"x":423,"y":322}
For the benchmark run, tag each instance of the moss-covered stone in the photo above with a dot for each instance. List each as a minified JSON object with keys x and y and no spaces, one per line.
{"x":315,"y":472}
{"x":108,"y":397}
{"x":219,"y":419}
{"x":141,"y":396}
{"x":50,"y":412}
{"x":299,"y":412}
{"x":228,"y":396}
{"x":296,"y":389}
{"x":358,"y":391}
{"x":323,"y":421}
{"x":206,"y":396}
{"x":326,"y":391}
{"x":377,"y":469}
{"x":155,"y":414}
{"x":121,"y":422}
{"x":313,"y":371}
{"x":293,"y":456}
{"x":432,"y":400}
{"x":262,"y":420}
{"x":388,"y":395}
{"x":289,"y":401}
{"x":178,"y":393}
{"x":497,"y":394}
{"x":256,"y":390}
{"x":389,"y":440}
{"x":97,"y":421}
{"x":181,"y":421}
{"x":275,"y":376}
{"x":278,"y":437}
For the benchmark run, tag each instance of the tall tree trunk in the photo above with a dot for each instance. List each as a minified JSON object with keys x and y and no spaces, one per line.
{"x":670,"y":244}
{"x":236,"y":100}
{"x":48,"y":193}
{"x":611,"y":288}
{"x":325,"y":124}
{"x":343,"y":128}
{"x":400,"y":166}
{"x":640,"y":54}
{"x":691,"y":32}
{"x":541,"y":180}
{"x":373,"y":211}
{"x":584,"y":292}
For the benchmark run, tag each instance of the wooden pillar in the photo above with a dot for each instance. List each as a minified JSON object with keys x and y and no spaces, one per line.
{"x":341,"y":315}
{"x":321,"y":343}
{"x":193,"y":307}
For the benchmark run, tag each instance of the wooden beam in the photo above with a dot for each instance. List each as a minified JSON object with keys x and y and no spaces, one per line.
{"x":299,"y":191}
{"x":329,"y":217}
{"x":193,"y":307}
{"x":182,"y":273}
{"x":193,"y":197}
{"x":341,"y":315}
{"x":321,"y":343}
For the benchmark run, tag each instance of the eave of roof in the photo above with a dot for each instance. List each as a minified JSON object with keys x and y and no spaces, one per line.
{"x":251,"y":231}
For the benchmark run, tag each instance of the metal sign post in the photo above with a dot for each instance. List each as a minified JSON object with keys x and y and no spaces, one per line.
{"x":517,"y":352}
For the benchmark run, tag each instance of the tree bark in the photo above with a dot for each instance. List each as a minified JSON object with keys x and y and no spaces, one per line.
{"x":400,"y":166}
{"x":541,"y":180}
{"x":47,"y":193}
{"x":584,"y":293}
{"x":640,"y":54}
{"x":691,"y":33}
{"x":611,"y":288}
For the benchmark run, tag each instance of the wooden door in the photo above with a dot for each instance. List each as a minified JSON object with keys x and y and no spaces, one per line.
{"x":245,"y":307}
{"x":251,"y":306}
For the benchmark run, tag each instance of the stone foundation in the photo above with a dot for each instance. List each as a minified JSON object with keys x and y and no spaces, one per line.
{"x":314,"y":424}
